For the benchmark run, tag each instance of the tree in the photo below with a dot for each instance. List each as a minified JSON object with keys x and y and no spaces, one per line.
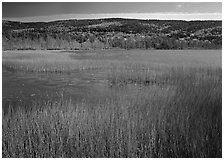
{"x":81,"y":38}
{"x":92,"y":38}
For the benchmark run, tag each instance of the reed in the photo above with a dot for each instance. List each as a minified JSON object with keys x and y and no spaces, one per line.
{"x":182,"y":119}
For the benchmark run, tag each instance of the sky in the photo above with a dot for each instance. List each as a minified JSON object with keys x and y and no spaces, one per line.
{"x":50,"y":11}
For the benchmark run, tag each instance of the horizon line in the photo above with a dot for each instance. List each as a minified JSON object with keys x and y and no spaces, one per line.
{"x":111,"y":18}
{"x":143,"y":16}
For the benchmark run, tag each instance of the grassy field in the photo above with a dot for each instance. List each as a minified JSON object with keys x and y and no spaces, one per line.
{"x":161,"y":104}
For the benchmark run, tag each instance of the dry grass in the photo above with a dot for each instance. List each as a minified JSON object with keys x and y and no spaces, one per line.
{"x":151,"y":121}
{"x":68,"y":62}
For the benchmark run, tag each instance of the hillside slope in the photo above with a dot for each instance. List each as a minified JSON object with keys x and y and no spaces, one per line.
{"x":112,"y":32}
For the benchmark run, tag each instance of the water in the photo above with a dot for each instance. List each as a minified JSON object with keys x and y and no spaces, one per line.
{"x":23,"y":88}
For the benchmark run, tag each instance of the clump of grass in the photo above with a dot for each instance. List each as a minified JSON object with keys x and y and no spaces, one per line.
{"x":184,"y":121}
{"x":144,"y":74}
{"x":133,"y":74}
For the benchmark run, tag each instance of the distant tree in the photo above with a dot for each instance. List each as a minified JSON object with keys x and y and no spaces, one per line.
{"x":81,"y":38}
{"x":92,"y":39}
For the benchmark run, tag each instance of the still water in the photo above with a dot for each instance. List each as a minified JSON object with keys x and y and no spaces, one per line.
{"x":23,"y":88}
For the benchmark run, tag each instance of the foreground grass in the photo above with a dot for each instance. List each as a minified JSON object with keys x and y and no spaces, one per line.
{"x":182,"y":119}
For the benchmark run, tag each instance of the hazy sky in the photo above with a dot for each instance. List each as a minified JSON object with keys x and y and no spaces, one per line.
{"x":41,"y":11}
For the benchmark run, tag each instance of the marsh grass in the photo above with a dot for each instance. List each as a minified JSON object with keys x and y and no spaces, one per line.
{"x":57,"y":62}
{"x":179,"y":120}
{"x":72,"y":61}
{"x":49,"y":64}
{"x":146,"y":74}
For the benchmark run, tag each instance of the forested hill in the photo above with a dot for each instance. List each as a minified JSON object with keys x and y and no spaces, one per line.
{"x":111,"y":33}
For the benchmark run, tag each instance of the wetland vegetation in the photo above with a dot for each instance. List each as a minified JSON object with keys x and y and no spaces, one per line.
{"x":112,"y":103}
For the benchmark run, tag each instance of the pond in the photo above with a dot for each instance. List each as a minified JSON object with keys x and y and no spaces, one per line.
{"x":23,"y":88}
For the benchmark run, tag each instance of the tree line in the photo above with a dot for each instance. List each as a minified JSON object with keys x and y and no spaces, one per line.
{"x":120,"y":33}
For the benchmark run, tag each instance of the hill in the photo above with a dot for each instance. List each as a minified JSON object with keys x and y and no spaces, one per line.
{"x":112,"y":32}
